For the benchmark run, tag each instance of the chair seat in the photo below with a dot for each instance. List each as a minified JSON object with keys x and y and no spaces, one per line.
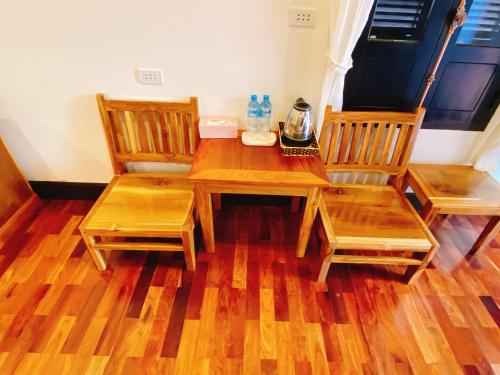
{"x":142,"y":203}
{"x":374,"y":217}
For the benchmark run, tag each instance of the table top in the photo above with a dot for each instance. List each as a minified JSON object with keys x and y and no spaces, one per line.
{"x":456,"y":185}
{"x":230,"y":161}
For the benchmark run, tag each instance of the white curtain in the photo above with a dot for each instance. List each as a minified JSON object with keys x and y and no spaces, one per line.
{"x":347,"y":21}
{"x":486,"y":154}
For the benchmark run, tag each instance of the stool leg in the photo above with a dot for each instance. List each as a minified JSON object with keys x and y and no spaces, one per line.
{"x":489,"y":232}
{"x":189,"y":249}
{"x":95,"y":254}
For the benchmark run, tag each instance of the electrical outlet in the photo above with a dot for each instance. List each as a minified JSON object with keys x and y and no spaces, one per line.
{"x":302,"y":17}
{"x":150,"y":76}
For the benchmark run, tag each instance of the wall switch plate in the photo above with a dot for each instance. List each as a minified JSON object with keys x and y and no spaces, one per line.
{"x":150,"y":76}
{"x":305,"y":17}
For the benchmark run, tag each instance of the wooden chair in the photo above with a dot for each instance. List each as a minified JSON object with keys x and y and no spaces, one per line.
{"x":371,"y":218}
{"x":145,"y":211}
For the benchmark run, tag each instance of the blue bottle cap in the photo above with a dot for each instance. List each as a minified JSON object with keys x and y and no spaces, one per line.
{"x":266,"y":98}
{"x":253,"y":97}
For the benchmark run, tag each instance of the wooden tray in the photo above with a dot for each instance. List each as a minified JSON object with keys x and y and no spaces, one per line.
{"x":304,"y":151}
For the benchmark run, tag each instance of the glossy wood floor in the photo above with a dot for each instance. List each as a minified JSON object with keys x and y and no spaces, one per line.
{"x":249,"y":308}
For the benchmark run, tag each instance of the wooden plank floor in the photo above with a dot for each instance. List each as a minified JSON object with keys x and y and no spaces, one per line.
{"x":249,"y":308}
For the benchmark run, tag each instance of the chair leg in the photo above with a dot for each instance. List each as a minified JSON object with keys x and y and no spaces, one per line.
{"x":326,"y":252}
{"x":429,"y":213}
{"x":405,"y":183}
{"x":95,"y":254}
{"x":413,"y":274}
{"x":398,"y":181}
{"x":189,"y":249}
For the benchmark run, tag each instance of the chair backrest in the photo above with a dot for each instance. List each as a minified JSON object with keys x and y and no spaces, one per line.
{"x":149,"y":131}
{"x":379,"y":142}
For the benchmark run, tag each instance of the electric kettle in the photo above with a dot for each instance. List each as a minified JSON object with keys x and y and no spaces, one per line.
{"x":298,"y":126}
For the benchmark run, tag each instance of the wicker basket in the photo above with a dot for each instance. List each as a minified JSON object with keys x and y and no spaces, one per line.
{"x":305,"y":151}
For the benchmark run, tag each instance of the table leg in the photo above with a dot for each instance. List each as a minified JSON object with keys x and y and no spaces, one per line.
{"x":216,"y":201}
{"x":294,"y":204}
{"x":310,"y":211}
{"x":489,"y":232}
{"x":204,"y":206}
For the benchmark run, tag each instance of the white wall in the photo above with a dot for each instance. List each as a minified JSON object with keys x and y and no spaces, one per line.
{"x":55,"y":55}
{"x":444,"y":146}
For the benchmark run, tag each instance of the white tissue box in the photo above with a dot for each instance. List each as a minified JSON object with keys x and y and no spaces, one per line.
{"x":218,"y":127}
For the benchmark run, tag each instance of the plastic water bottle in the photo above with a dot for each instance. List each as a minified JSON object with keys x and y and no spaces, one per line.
{"x":265,"y":109}
{"x":253,"y":114}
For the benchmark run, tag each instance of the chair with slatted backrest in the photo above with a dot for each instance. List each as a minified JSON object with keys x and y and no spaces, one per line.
{"x":142,"y":211}
{"x":375,"y":219}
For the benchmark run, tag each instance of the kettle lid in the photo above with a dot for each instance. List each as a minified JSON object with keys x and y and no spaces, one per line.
{"x":301,"y":105}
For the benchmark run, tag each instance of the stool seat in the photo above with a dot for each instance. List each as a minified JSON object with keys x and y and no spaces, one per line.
{"x":456,"y":187}
{"x":457,"y":190}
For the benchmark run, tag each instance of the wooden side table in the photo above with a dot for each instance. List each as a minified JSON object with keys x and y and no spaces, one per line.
{"x":228,"y":166}
{"x":457,"y":190}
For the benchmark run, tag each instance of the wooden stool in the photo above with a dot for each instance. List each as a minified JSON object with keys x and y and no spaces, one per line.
{"x":457,"y":190}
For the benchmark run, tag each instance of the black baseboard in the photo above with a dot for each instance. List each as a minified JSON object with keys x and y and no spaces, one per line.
{"x":254,"y":200}
{"x":92,"y":190}
{"x":67,"y":190}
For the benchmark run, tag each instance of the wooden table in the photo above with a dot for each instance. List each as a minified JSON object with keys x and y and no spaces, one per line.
{"x":458,"y":190}
{"x":228,"y":166}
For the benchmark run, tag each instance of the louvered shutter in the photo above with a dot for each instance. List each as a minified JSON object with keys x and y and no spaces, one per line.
{"x":399,"y":20}
{"x":482,"y":25}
